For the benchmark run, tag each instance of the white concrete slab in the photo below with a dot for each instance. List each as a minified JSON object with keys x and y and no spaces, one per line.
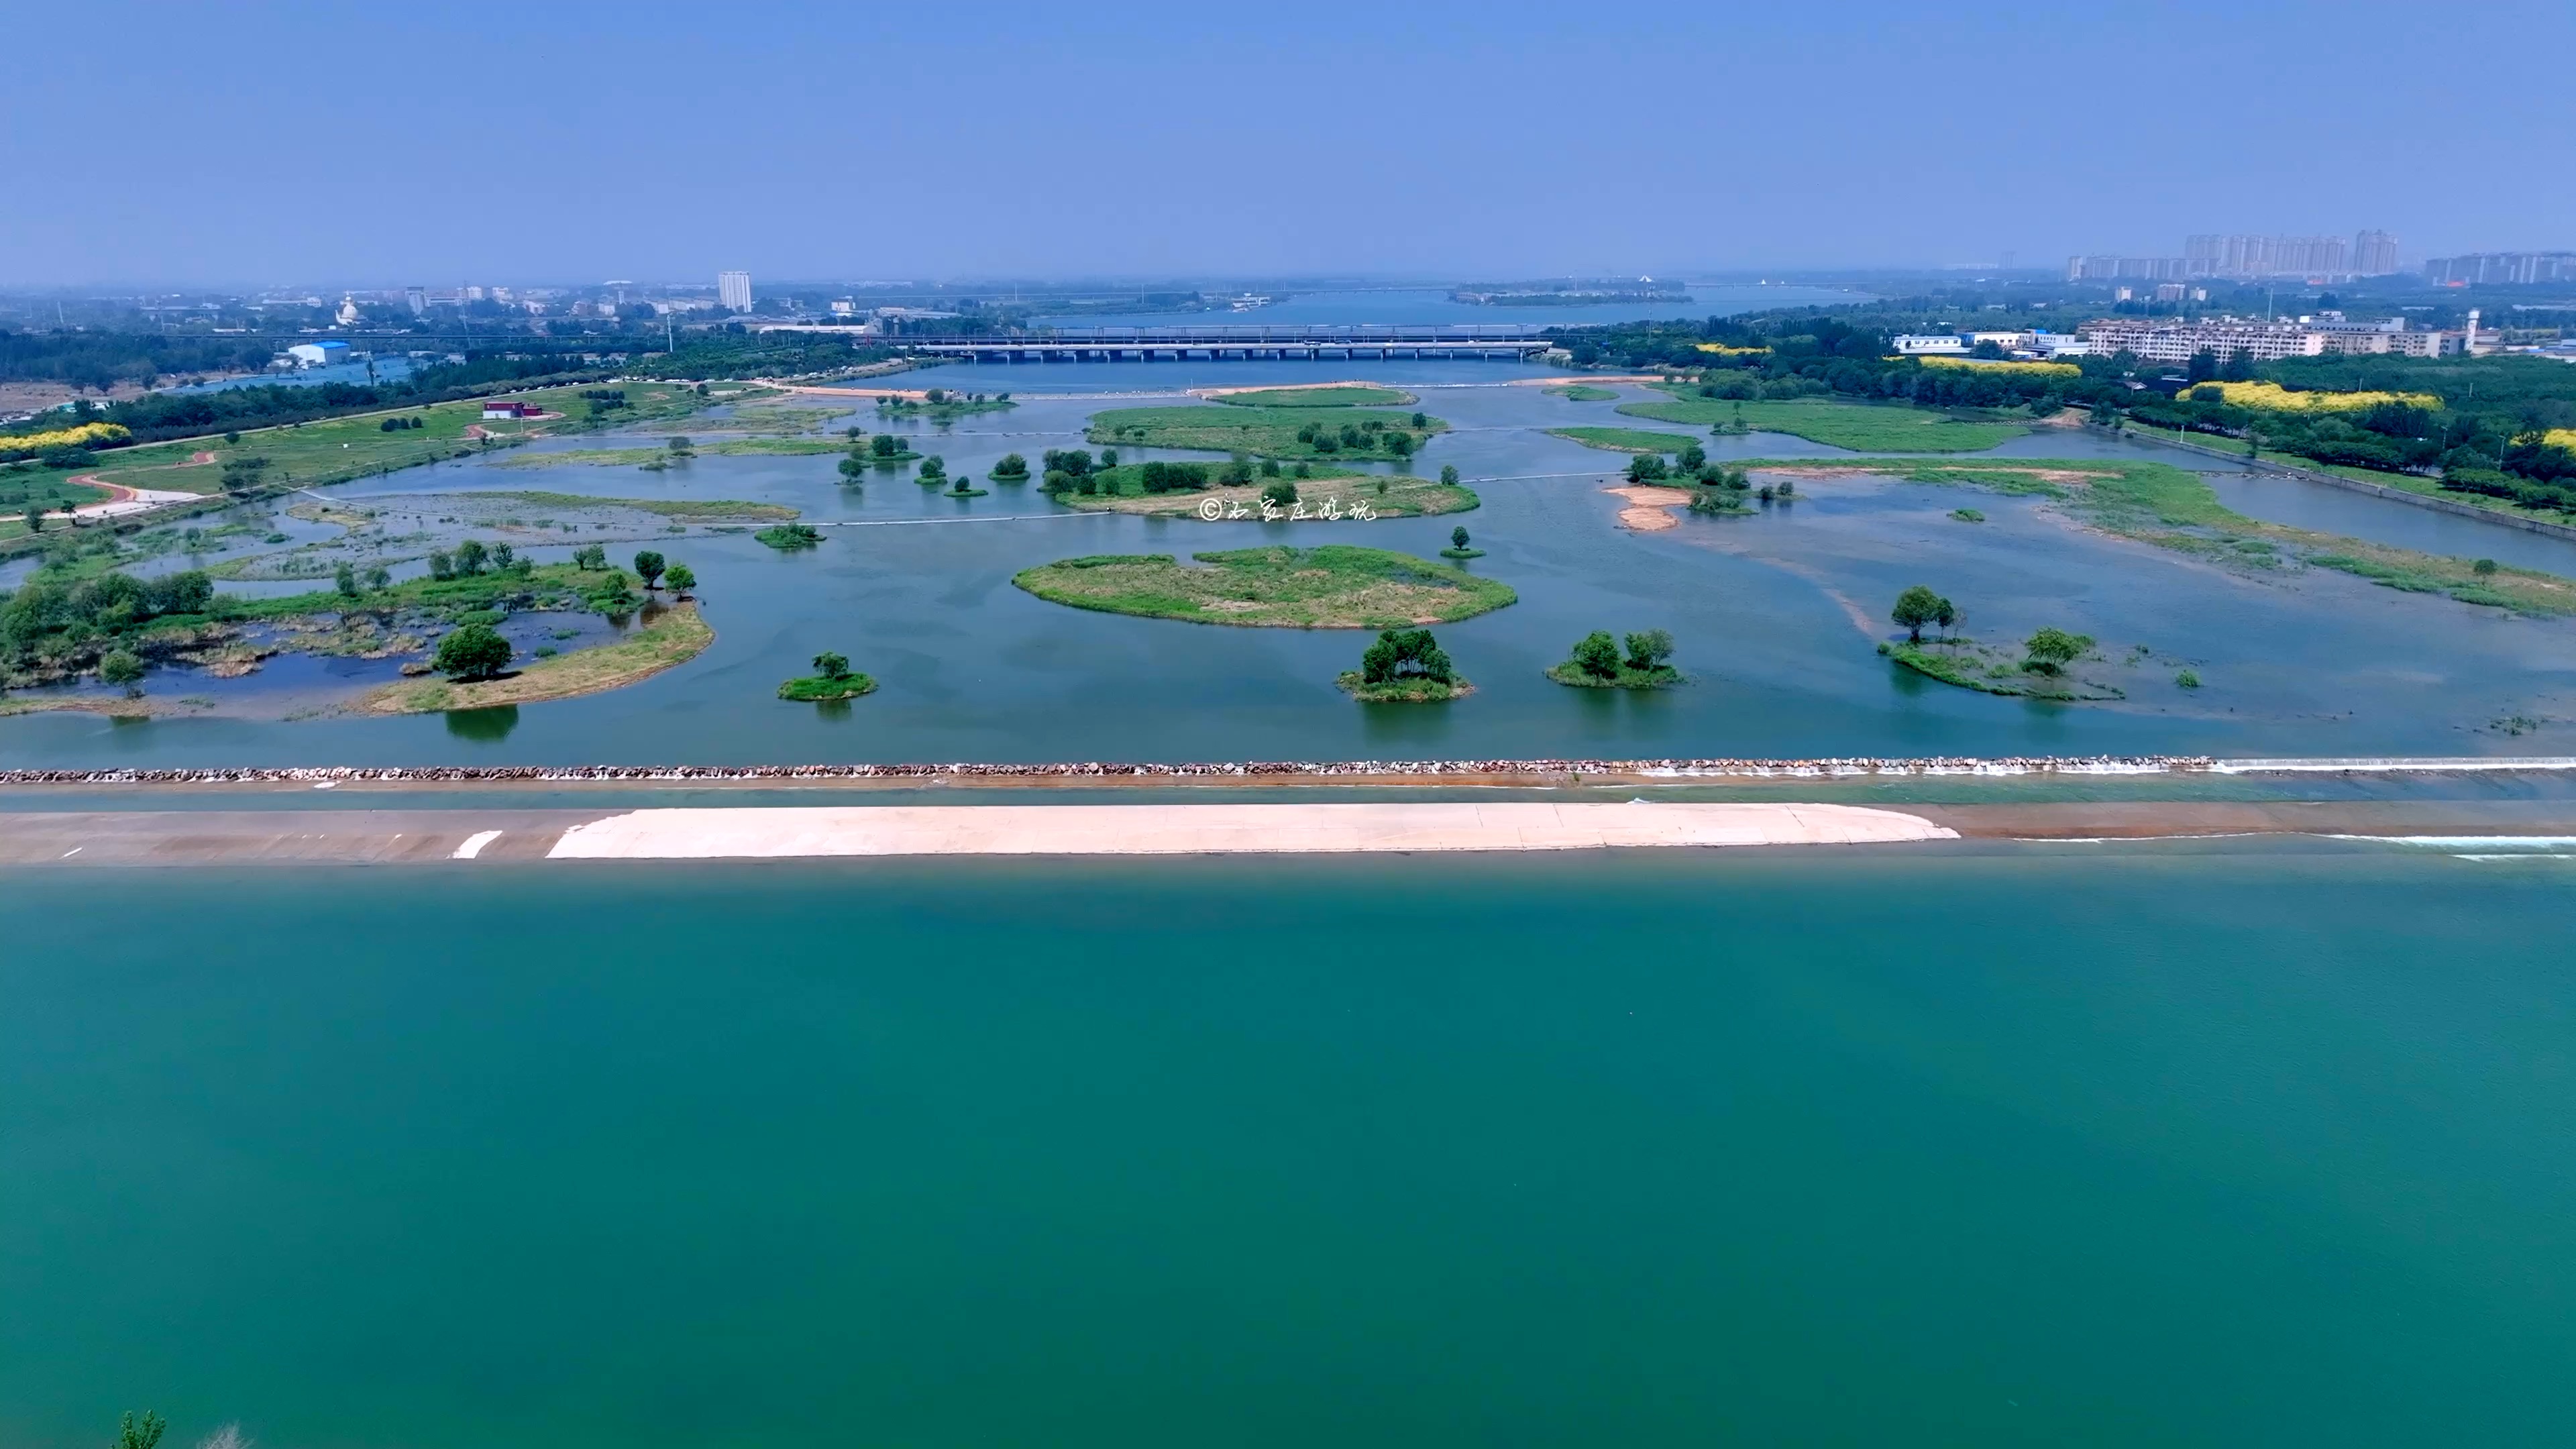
{"x":778,"y":833}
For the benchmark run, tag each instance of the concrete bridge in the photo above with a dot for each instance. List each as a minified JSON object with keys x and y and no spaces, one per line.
{"x":1310,"y":344}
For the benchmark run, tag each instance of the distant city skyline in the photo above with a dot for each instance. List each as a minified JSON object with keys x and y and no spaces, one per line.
{"x":827,"y":143}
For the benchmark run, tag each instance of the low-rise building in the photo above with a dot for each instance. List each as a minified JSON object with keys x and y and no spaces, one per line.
{"x":318,"y":354}
{"x":1929,"y":344}
{"x":505,"y":408}
{"x":2161,"y":341}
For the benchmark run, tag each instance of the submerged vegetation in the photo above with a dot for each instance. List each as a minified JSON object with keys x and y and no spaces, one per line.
{"x":1332,"y":587}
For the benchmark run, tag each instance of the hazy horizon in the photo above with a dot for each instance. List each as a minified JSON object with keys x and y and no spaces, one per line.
{"x":577,"y":143}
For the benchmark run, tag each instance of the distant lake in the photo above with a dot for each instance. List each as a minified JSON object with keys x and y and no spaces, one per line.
{"x":1426,"y":306}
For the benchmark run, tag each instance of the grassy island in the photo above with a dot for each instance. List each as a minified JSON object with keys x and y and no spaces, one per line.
{"x":1626,"y":440}
{"x":789,"y":537}
{"x":1981,"y":667}
{"x":823,"y":689}
{"x":1332,"y":587}
{"x":1417,"y":689}
{"x":1581,"y":392}
{"x":1270,"y":432}
{"x":668,"y":637}
{"x":1337,"y":395}
{"x":1124,"y":489}
{"x":1861,"y":427}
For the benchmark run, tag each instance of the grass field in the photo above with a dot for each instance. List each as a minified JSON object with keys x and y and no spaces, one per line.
{"x":1861,"y":427}
{"x":1389,"y":495}
{"x":1341,"y":395}
{"x":1581,"y":392}
{"x":673,"y":636}
{"x":1262,"y":431}
{"x":1333,"y":587}
{"x":2172,"y":508}
{"x":1626,"y":440}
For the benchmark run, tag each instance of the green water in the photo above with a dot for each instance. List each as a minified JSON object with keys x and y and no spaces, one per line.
{"x":2154,"y":1146}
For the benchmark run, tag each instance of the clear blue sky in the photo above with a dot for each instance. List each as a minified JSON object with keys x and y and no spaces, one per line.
{"x":376,"y":144}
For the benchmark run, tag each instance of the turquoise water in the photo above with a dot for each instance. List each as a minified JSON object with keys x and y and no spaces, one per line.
{"x":2160,"y":1145}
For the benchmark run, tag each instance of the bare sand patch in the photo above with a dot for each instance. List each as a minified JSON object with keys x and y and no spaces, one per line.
{"x":1650,"y":509}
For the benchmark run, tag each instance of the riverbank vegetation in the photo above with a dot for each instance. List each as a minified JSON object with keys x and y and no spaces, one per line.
{"x":831,"y":681}
{"x":665,"y":638}
{"x":2172,"y":508}
{"x":1596,"y":662}
{"x":693,"y":509}
{"x":63,"y":622}
{"x":2479,"y":429}
{"x":1335,"y":395}
{"x":1405,"y":666}
{"x":1271,"y":432}
{"x":1860,"y":427}
{"x":1331,"y":587}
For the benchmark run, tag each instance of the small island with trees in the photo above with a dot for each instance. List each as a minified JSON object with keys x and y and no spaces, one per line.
{"x":2043,"y":670}
{"x":1405,"y":666}
{"x":941,"y":405}
{"x":1596,"y":662}
{"x":831,"y":681}
{"x":1311,"y":433}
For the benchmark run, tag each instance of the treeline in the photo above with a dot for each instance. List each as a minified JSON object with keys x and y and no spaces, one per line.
{"x":2488,"y":433}
{"x":733,"y":352}
{"x":163,"y":416}
{"x":100,"y":360}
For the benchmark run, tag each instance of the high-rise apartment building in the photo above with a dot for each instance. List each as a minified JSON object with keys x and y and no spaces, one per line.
{"x":733,"y":289}
{"x":2211,"y":255}
{"x":2522,"y":267}
{"x":417,"y":298}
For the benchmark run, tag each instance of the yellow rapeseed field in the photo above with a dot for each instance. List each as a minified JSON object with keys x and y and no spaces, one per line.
{"x":2030,"y":369}
{"x":25,"y":443}
{"x":1722,"y":350}
{"x":2272,"y":397}
{"x":2561,"y":438}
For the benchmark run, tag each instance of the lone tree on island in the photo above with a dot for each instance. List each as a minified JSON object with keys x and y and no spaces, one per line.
{"x":1919,"y":606}
{"x":2052,"y":649}
{"x":832,"y":666}
{"x":648,"y":567}
{"x":475,"y":651}
{"x":1458,"y":536}
{"x":682,"y":579}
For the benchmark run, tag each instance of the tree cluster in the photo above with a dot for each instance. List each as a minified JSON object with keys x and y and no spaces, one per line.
{"x":1405,"y":654}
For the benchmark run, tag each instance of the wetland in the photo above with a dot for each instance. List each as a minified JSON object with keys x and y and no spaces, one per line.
{"x":2313,"y":622}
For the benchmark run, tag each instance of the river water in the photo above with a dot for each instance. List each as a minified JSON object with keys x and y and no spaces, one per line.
{"x":1962,"y":1146}
{"x":1777,"y":617}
